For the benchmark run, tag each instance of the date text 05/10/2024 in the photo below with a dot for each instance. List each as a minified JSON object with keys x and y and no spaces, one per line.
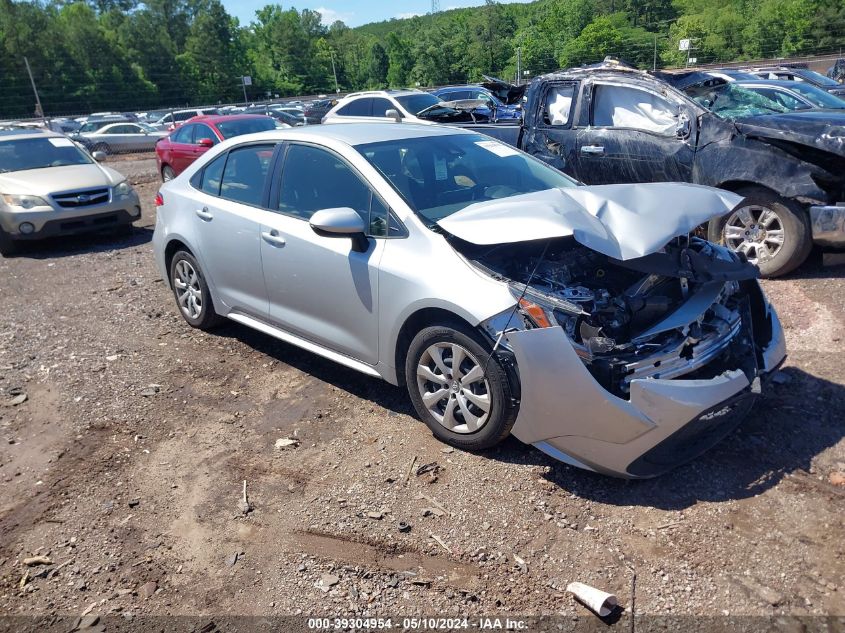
{"x":416,"y":624}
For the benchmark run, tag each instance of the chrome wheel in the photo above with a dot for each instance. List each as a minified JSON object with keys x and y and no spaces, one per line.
{"x":756,"y":231}
{"x":188,"y":290}
{"x":454,"y":387}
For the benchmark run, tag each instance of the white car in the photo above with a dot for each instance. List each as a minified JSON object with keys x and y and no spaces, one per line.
{"x":374,"y":105}
{"x":506,"y":297}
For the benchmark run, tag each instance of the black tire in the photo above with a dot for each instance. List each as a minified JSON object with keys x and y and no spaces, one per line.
{"x":206,"y":318}
{"x":167,"y":173}
{"x":8,"y":246}
{"x":502,"y":411}
{"x":793,"y":220}
{"x":125,"y":230}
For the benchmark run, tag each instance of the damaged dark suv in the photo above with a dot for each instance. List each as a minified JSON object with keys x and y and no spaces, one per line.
{"x":614,"y":124}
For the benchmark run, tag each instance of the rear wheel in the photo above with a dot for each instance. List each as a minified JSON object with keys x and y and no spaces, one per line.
{"x":458,"y":389}
{"x":771,"y":231}
{"x":191,"y":291}
{"x":167,"y":173}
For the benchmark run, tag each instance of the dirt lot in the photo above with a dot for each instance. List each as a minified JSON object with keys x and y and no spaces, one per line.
{"x":125,"y":466}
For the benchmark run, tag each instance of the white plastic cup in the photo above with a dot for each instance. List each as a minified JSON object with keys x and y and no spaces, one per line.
{"x":594,"y":599}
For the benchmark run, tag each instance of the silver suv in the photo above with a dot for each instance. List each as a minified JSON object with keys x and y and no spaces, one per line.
{"x":50,"y":186}
{"x":506,"y":297}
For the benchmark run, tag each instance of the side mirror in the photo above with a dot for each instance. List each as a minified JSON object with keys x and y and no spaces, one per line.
{"x":394,"y":114}
{"x":341,"y":222}
{"x":205,"y":142}
{"x":98,"y":156}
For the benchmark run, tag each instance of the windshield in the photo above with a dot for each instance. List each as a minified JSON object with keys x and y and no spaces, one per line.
{"x":146,"y":128}
{"x":37,"y":153}
{"x":438,"y":176}
{"x":731,"y":101}
{"x":418,"y":102}
{"x":818,"y":78}
{"x":236,"y":127}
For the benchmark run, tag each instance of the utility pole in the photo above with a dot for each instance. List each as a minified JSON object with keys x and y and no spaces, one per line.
{"x":518,"y":65}
{"x":654,"y":67}
{"x":334,"y":72}
{"x":35,"y":90}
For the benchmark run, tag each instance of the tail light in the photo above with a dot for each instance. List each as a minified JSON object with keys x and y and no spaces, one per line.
{"x":159,"y":199}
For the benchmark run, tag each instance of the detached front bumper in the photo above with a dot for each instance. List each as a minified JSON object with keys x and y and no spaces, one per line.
{"x":828,"y":224}
{"x":565,"y":413}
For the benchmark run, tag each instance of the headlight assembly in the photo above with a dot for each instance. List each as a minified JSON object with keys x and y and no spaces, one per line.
{"x":122,"y":189}
{"x":23,"y":202}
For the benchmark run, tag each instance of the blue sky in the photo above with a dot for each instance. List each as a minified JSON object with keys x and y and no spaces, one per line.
{"x":352,"y":13}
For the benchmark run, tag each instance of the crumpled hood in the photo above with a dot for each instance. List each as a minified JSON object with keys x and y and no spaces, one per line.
{"x":42,"y":182}
{"x":823,"y":129}
{"x":620,"y":221}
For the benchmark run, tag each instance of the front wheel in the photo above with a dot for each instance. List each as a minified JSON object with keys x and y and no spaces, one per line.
{"x":772,"y":232}
{"x":192,"y":294}
{"x":8,"y":246}
{"x":458,"y":389}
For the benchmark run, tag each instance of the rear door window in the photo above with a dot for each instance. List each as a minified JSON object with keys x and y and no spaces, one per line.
{"x":245,"y":174}
{"x":558,"y":110}
{"x":380,"y":106}
{"x":632,"y":108}
{"x":358,"y":107}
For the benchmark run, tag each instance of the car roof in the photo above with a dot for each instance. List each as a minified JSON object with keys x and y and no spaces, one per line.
{"x":216,"y":118}
{"x":14,"y":135}
{"x":383,"y":93}
{"x":353,"y":134}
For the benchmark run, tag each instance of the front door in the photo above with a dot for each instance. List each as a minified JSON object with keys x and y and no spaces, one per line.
{"x":319,"y":287}
{"x":550,"y":129}
{"x":634,"y":135}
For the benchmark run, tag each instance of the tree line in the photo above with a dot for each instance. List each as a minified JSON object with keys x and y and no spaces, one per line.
{"x":124,"y":54}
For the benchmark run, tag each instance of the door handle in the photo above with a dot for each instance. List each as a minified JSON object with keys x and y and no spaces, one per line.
{"x":273,"y":237}
{"x":592,"y":150}
{"x":204,"y":214}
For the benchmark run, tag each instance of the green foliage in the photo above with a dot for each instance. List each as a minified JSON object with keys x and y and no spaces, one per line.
{"x":129,"y":54}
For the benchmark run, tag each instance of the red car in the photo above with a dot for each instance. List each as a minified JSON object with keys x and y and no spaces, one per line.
{"x":190,"y":141}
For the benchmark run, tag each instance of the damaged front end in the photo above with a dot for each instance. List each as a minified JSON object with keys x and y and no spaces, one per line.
{"x":630,"y":367}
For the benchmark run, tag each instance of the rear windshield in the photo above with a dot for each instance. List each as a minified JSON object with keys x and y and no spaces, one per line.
{"x":237,"y":127}
{"x":37,"y":153}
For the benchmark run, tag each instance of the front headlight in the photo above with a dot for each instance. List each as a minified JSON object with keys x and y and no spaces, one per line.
{"x":122,"y":189}
{"x":23,"y":202}
{"x":545,"y":311}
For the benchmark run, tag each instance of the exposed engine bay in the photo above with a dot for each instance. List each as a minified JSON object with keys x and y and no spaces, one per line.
{"x":669,"y":314}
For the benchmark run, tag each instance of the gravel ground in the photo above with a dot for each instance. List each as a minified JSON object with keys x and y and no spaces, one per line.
{"x":126,"y":463}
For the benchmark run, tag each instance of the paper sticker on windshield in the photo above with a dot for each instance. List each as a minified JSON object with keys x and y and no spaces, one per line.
{"x":499,"y":149}
{"x":61,"y":142}
{"x":440,"y":171}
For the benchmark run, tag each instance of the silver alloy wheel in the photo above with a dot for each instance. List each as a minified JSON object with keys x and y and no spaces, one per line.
{"x":188,"y":290}
{"x":454,"y":387}
{"x":756,"y":231}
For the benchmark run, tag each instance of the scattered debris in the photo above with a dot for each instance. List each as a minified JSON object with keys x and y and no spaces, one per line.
{"x":837,"y":478}
{"x":245,"y":506}
{"x":755,"y":589}
{"x":151,"y":391}
{"x":20,"y":399}
{"x":285,"y":442}
{"x":433,"y":467}
{"x":598,"y":601}
{"x":667,"y":525}
{"x":146,"y":590}
{"x":440,"y":542}
{"x":231,"y":560}
{"x":432,"y":511}
{"x":37,"y":560}
{"x":403,"y":527}
{"x":327,"y":581}
{"x":410,"y":469}
{"x":134,"y":502}
{"x":112,"y":358}
{"x":447,"y":451}
{"x":434,"y":503}
{"x":376,"y":515}
{"x":24,"y":579}
{"x":523,"y":566}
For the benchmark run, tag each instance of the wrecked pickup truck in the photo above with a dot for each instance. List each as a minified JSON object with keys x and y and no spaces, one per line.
{"x":614,"y":124}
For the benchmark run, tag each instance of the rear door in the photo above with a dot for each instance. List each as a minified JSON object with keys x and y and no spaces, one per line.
{"x":230,"y":209}
{"x":635,"y":133}
{"x":549,"y":132}
{"x":182,"y":148}
{"x":358,"y":110}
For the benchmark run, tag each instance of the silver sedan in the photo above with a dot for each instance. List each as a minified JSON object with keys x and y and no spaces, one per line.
{"x":506,"y":297}
{"x":115,"y":138}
